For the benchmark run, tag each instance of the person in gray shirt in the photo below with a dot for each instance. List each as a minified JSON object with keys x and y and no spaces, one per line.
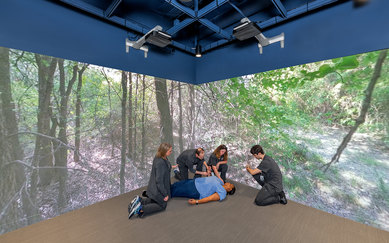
{"x":186,"y":160}
{"x":218,"y":162}
{"x":269,"y":176}
{"x":158,"y":190}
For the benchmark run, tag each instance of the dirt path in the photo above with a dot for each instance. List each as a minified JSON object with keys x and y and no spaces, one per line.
{"x":357,"y":187}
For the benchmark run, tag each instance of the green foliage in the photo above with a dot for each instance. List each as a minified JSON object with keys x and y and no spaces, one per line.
{"x":298,"y":186}
{"x":319,"y":174}
{"x":348,"y":198}
{"x":383,"y":190}
{"x":345,"y":63}
{"x":250,"y":97}
{"x":366,"y":159}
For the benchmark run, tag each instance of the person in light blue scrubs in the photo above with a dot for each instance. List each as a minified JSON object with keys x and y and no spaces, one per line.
{"x":202,"y":190}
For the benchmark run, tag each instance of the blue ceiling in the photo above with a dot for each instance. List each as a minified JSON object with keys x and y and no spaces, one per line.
{"x":95,"y":31}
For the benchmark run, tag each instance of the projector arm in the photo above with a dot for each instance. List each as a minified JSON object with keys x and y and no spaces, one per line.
{"x":263,"y":41}
{"x":131,"y":44}
{"x":139,"y":44}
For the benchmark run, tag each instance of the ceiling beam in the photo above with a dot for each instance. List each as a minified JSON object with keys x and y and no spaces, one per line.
{"x":180,"y":26}
{"x":182,"y":8}
{"x":216,"y":29}
{"x":194,"y":13}
{"x":280,"y":7}
{"x":112,"y":7}
{"x":196,"y":16}
{"x":125,"y":23}
{"x":210,"y":7}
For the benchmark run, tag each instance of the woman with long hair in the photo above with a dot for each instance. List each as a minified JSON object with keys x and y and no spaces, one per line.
{"x":158,"y":189}
{"x":218,"y":162}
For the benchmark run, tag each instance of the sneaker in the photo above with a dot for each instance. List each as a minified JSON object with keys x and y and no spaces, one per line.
{"x":283,"y":198}
{"x":133,"y":203}
{"x":135,"y":210}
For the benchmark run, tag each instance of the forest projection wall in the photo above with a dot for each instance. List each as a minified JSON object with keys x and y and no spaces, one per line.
{"x":73,"y":134}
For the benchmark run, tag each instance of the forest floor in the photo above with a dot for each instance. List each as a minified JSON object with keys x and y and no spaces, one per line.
{"x":356,"y":187}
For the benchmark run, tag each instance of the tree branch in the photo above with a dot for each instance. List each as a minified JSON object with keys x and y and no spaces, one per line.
{"x":365,"y":107}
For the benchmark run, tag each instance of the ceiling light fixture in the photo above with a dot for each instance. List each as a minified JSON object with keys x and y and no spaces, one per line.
{"x":198,"y":51}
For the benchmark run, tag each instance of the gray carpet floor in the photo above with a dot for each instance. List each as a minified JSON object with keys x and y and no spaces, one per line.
{"x":236,"y":219}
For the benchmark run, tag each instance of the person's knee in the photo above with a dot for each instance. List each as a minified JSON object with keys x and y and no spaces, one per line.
{"x":224,"y":168}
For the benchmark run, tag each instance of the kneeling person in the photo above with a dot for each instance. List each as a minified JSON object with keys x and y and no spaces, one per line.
{"x":202,"y":190}
{"x":269,"y":176}
{"x":218,"y":162}
{"x":187,"y":159}
{"x":158,"y":190}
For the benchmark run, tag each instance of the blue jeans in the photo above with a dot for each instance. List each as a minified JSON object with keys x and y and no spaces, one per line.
{"x":185,"y":188}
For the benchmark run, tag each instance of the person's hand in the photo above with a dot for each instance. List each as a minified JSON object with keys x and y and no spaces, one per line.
{"x":192,"y":201}
{"x":209,"y":173}
{"x":166,"y":198}
{"x":174,"y":166}
{"x":248,"y":168}
{"x":217,"y":166}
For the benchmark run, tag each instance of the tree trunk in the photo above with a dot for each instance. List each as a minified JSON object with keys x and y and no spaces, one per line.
{"x":166,"y":130}
{"x":11,"y":124}
{"x":61,"y":154}
{"x":365,"y":107}
{"x":192,"y":115}
{"x":77,"y":139}
{"x":124,"y":145}
{"x":110,"y":125}
{"x":180,"y":140}
{"x":143,"y":121}
{"x":130,"y":122}
{"x":171,"y":99}
{"x":135,"y":116}
{"x":42,"y":152}
{"x":8,"y":185}
{"x":12,"y":177}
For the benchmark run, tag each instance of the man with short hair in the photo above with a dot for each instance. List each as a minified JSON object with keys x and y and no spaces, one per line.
{"x":187,"y":159}
{"x":269,"y":176}
{"x":202,"y":190}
